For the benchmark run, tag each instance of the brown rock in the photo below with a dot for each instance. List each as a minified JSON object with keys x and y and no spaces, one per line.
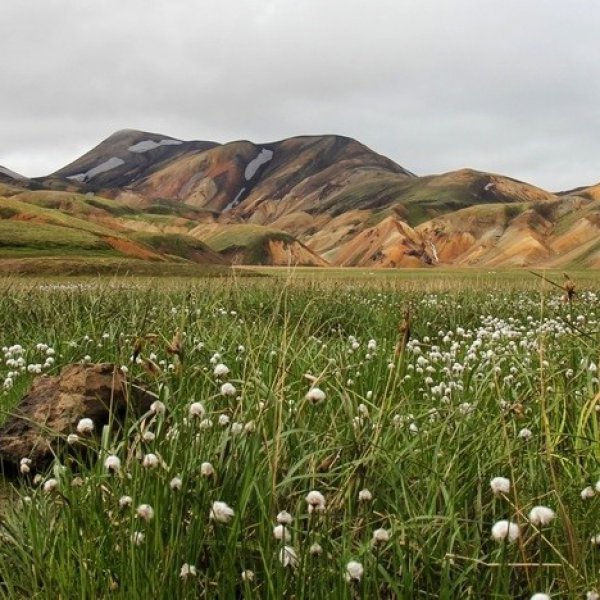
{"x":54,"y":405}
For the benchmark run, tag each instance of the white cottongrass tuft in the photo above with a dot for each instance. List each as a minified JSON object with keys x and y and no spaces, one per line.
{"x":587,"y":493}
{"x":176,"y":483}
{"x":540,"y":596}
{"x":500,"y":485}
{"x":112,"y":463}
{"x":145,"y":512}
{"x":506,"y":531}
{"x":592,"y":595}
{"x":541,"y":516}
{"x":158,"y":407}
{"x":137,"y":538}
{"x":85,"y":426}
{"x":228,"y":389}
{"x":288,"y":557}
{"x":125,"y":501}
{"x":248,"y":575}
{"x":196,"y":409}
{"x":221,"y":512}
{"x":150,"y":461}
{"x":381,"y":536}
{"x":315,"y":501}
{"x":354,"y":571}
{"x":365,"y":495}
{"x":50,"y":485}
{"x":221,"y":370}
{"x":316,"y":549}
{"x":284,"y":518}
{"x":315,"y":395}
{"x":595,"y":540}
{"x":188,"y":570}
{"x":281,"y":533}
{"x":72,"y":438}
{"x":525,"y":434}
{"x":207,"y":470}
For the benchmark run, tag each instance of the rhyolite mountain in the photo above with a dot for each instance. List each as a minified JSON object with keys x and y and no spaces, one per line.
{"x":313,"y":200}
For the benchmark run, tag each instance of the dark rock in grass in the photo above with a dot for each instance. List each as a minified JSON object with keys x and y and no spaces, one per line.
{"x":53,"y":407}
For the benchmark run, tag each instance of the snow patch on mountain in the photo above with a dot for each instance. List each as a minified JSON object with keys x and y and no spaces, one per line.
{"x":235,"y":201}
{"x":264,"y":156}
{"x":146,"y":145}
{"x":107,"y":165}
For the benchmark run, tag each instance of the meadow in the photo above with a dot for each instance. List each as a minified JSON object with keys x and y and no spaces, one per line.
{"x":318,"y":436}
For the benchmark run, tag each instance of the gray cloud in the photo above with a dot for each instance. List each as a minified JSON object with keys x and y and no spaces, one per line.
{"x":501,"y":85}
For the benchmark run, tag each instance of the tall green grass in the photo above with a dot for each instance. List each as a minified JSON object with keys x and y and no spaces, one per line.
{"x":426,"y":452}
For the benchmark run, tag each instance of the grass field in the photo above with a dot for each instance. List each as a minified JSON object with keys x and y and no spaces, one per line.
{"x":347,"y":457}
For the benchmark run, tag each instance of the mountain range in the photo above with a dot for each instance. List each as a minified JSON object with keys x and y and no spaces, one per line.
{"x":140,"y":197}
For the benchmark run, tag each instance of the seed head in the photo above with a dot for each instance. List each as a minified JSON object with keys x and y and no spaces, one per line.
{"x":365,"y":495}
{"x":284,"y":518}
{"x":315,"y":395}
{"x":137,"y":538}
{"x":354,"y":571}
{"x":221,"y":370}
{"x":187,"y":571}
{"x":125,"y":501}
{"x":112,"y":463}
{"x":587,"y":493}
{"x":281,"y":533}
{"x":206,"y":469}
{"x":50,"y":485}
{"x":381,"y":536}
{"x":228,"y":389}
{"x":288,"y":557}
{"x":150,"y":461}
{"x":506,"y":531}
{"x":85,"y":426}
{"x":221,"y":512}
{"x":541,"y":516}
{"x":145,"y":512}
{"x":500,"y":485}
{"x":197,"y":410}
{"x":158,"y":407}
{"x":315,"y":500}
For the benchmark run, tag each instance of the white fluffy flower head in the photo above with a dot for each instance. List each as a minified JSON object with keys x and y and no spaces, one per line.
{"x":315,"y":395}
{"x":221,"y":370}
{"x":315,"y":501}
{"x":284,"y":518}
{"x":85,"y":426}
{"x":365,"y":495}
{"x":150,"y":461}
{"x":354,"y":571}
{"x":506,"y":531}
{"x":221,"y":512}
{"x":500,"y":485}
{"x":145,"y":512}
{"x":288,"y":557}
{"x":541,"y":516}
{"x":112,"y":463}
{"x":228,"y":389}
{"x":188,"y":570}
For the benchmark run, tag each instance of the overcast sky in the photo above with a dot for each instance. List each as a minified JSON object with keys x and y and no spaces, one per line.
{"x":510,"y":86}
